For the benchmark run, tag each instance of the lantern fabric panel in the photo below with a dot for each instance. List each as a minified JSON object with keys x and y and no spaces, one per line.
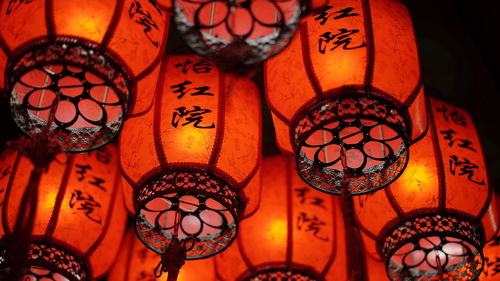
{"x":204,"y":135}
{"x":350,"y":85}
{"x":295,"y":232}
{"x":80,"y":211}
{"x":136,"y":262}
{"x":262,"y":29}
{"x":79,"y":61}
{"x":433,"y":206}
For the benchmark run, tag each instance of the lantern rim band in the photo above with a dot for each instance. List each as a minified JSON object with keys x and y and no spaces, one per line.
{"x":442,"y":226}
{"x":90,"y":57}
{"x":57,"y":259}
{"x":192,"y":183}
{"x":269,"y":270}
{"x":362,"y":107}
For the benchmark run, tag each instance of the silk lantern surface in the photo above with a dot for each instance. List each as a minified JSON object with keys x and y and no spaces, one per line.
{"x":80,"y":216}
{"x":350,"y":79}
{"x":73,"y":66}
{"x":136,"y":262}
{"x":192,"y":162}
{"x":432,"y":223}
{"x":296,"y":234}
{"x":237,"y":32}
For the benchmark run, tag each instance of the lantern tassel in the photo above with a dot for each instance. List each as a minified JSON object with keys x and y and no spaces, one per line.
{"x":439,"y":267}
{"x":356,"y":263}
{"x":172,"y":259}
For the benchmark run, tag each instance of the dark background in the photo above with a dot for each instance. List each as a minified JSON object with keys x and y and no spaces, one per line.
{"x":460,"y":60}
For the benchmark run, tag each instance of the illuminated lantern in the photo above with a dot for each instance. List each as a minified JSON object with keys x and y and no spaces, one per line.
{"x":80,"y":216}
{"x":296,"y":234}
{"x":72,"y":67}
{"x":136,"y":262}
{"x":237,"y":32}
{"x":195,"y":157}
{"x":432,"y":223}
{"x":491,"y":270}
{"x":341,"y":84}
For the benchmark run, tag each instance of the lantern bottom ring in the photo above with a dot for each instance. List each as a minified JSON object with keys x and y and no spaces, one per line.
{"x":434,"y":247}
{"x":50,"y":261}
{"x":281,"y":272}
{"x":372,"y":131}
{"x":73,"y":88}
{"x":194,"y":205}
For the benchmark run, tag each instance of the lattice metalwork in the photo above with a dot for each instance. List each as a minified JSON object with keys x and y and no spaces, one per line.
{"x":373,"y":133}
{"x":194,"y":205}
{"x":281,"y":274}
{"x":72,"y":88}
{"x":237,"y":32}
{"x":51,"y":262}
{"x":434,"y":248}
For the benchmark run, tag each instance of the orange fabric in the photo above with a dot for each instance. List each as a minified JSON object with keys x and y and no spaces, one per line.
{"x":133,"y":32}
{"x":334,"y":49}
{"x":136,"y":262}
{"x":90,"y":216}
{"x":202,"y":118}
{"x":446,"y":172}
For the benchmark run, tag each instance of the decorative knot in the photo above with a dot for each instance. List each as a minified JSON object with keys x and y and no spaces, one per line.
{"x":172,"y":259}
{"x":40,"y":149}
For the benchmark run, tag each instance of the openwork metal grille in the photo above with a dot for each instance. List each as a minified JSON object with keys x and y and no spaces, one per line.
{"x":373,"y":133}
{"x":51,"y":262}
{"x":434,"y":248}
{"x":196,"y":206}
{"x":230,"y":31}
{"x":71,"y":87}
{"x":281,"y":274}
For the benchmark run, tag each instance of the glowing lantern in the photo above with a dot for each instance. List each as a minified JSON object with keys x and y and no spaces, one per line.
{"x":432,"y":223}
{"x":296,"y":234}
{"x":237,"y":32}
{"x":491,"y":270}
{"x":195,"y":157}
{"x":79,"y":217}
{"x":137,"y":262}
{"x":340,"y":84}
{"x":72,"y":66}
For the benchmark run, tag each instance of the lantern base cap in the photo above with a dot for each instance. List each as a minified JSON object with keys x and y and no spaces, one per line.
{"x":281,"y":272}
{"x":202,"y":210}
{"x":434,"y":247}
{"x":51,"y":261}
{"x":372,"y":131}
{"x":69,"y":88}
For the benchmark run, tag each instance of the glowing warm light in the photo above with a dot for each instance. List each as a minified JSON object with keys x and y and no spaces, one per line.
{"x":418,"y":178}
{"x":277,"y":231}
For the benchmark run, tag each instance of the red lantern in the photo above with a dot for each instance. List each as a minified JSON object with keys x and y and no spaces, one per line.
{"x":341,"y":85}
{"x":194,"y":158}
{"x":432,"y":223}
{"x":237,"y":32}
{"x":72,"y":67}
{"x":295,"y":235}
{"x":79,"y":218}
{"x":136,"y":262}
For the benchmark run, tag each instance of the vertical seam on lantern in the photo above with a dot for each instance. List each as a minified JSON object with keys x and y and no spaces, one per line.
{"x":129,"y":256}
{"x":394,"y":204}
{"x":244,"y":255}
{"x":311,"y":75}
{"x":289,"y":213}
{"x":108,"y":218}
{"x":426,"y":130}
{"x":117,"y":13}
{"x":160,"y":153}
{"x":483,"y":211}
{"x":49,"y":19}
{"x":217,"y":273}
{"x":370,"y":44}
{"x":418,"y":57}
{"x":439,"y":158}
{"x":122,"y":171}
{"x":414,"y":93}
{"x":157,"y":60}
{"x":51,"y":226}
{"x":334,"y":240}
{"x":364,"y":229}
{"x":273,"y":109}
{"x":221,"y":118}
{"x":7,"y":194}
